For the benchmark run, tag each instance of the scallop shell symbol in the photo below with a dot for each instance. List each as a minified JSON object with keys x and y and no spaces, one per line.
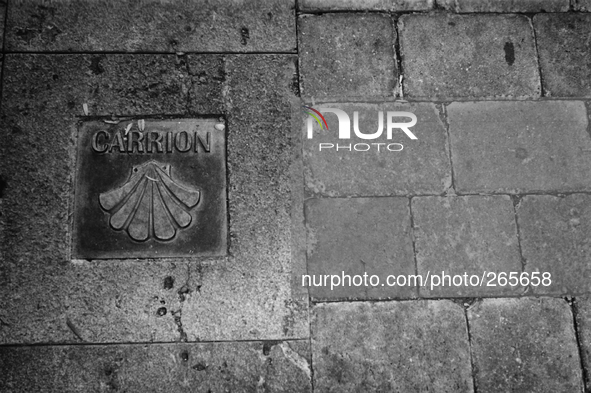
{"x":150,"y":204}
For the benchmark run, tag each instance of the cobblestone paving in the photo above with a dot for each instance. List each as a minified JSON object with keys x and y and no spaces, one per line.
{"x":492,"y":197}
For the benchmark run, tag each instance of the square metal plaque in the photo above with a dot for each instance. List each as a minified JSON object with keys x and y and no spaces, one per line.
{"x":150,"y":189}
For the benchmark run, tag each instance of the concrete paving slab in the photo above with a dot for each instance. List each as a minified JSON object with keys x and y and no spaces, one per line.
{"x":555,"y":242}
{"x":56,"y":300}
{"x":365,"y":5}
{"x":446,"y":56}
{"x":152,"y":26}
{"x":214,"y":367}
{"x":421,"y":167}
{"x":251,"y":294}
{"x":524,"y":345}
{"x":520,"y":146}
{"x":357,"y":236}
{"x":564,"y":44}
{"x":390,"y":347}
{"x":458,"y":235}
{"x":347,"y":54}
{"x":504,"y":6}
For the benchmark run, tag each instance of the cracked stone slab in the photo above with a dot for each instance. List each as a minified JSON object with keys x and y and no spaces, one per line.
{"x":564,"y":45}
{"x":554,"y":234}
{"x":237,"y":367}
{"x":520,"y":146}
{"x":505,"y":5}
{"x":347,"y":54}
{"x":524,"y":345}
{"x":470,"y":234}
{"x":366,"y":5}
{"x":152,"y":26}
{"x":357,"y":236}
{"x":421,"y":167}
{"x":448,"y":56}
{"x":56,"y":300}
{"x":390,"y":347}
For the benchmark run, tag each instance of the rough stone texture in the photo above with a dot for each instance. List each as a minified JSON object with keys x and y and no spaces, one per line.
{"x":505,"y":5}
{"x":347,"y":55}
{"x":564,"y":44}
{"x":460,"y":235}
{"x":363,"y":5}
{"x":468,"y":56}
{"x":524,"y":345}
{"x":357,"y":236}
{"x":422,"y":167}
{"x":152,"y":26}
{"x":53,"y":299}
{"x":582,"y":309}
{"x":520,"y":146}
{"x":250,"y":294}
{"x":208,"y":76}
{"x":390,"y":347}
{"x":582,"y":5}
{"x":213,"y":367}
{"x":554,"y":236}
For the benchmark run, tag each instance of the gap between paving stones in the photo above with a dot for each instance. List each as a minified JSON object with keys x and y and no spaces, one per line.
{"x":133,"y":343}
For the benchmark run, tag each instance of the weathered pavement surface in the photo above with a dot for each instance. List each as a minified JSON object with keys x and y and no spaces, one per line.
{"x":499,"y":180}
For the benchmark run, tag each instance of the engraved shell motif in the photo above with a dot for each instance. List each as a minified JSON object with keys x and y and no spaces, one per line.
{"x":150,"y":204}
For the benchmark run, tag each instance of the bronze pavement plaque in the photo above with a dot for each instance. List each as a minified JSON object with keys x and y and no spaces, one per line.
{"x":150,"y":189}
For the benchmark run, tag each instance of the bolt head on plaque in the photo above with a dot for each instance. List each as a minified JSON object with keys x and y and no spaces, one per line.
{"x":150,"y":189}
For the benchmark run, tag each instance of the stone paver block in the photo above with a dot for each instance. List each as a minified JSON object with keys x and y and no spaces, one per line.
{"x":212,"y":367}
{"x":505,"y":5}
{"x":422,"y":167}
{"x":554,"y":236}
{"x":55,"y":300}
{"x":357,"y":236}
{"x":459,"y":235}
{"x":391,"y":347}
{"x":564,"y":44}
{"x":524,"y":345}
{"x":468,"y":56}
{"x":582,"y":307}
{"x":582,"y":5}
{"x":366,"y":5}
{"x":154,"y":26}
{"x":520,"y":146}
{"x":347,"y":55}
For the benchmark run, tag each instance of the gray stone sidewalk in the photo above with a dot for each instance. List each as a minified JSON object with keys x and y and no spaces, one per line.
{"x":498,"y":181}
